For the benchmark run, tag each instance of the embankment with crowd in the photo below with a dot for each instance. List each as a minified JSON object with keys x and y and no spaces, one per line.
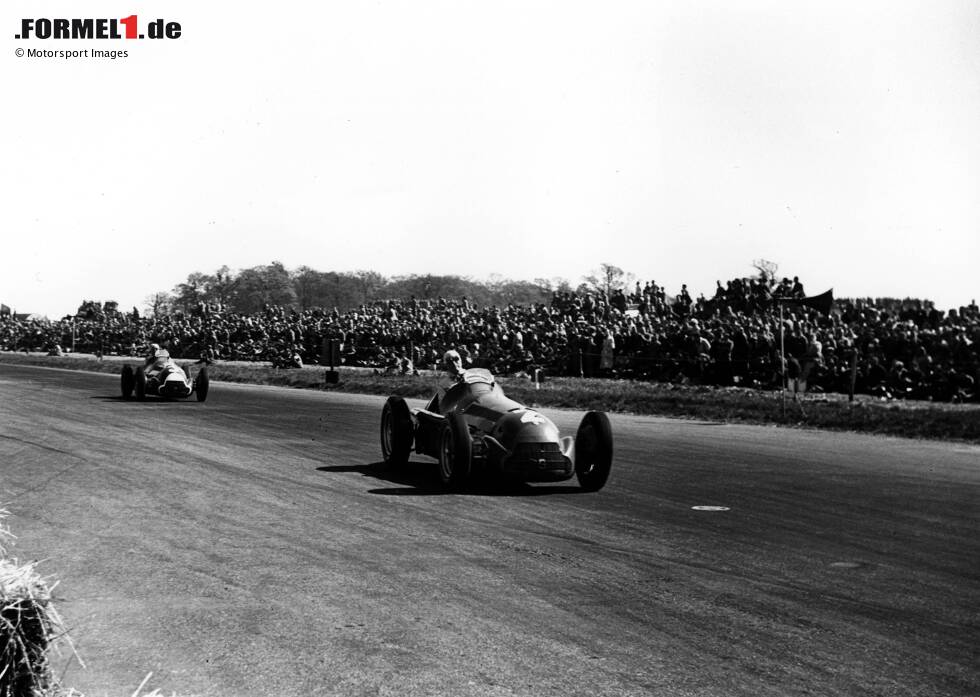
{"x":751,"y":333}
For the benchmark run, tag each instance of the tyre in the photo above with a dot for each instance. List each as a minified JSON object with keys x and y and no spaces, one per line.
{"x":593,"y":451}
{"x":455,"y":451}
{"x":397,"y":432}
{"x":139,"y":383}
{"x":201,"y":384}
{"x":128,"y":381}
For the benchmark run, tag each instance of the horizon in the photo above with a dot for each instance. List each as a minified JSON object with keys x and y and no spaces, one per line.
{"x":627,"y":287}
{"x":811,"y":289}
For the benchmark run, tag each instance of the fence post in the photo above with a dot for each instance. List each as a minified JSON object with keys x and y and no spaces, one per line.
{"x":331,"y":376}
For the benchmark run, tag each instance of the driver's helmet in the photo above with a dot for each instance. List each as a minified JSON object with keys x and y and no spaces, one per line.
{"x":157,"y":354}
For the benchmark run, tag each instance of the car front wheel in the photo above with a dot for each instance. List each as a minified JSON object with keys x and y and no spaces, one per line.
{"x":128,"y":381}
{"x":396,"y":431}
{"x":593,"y":451}
{"x":455,"y":452}
{"x":201,"y":384}
{"x":140,"y":383}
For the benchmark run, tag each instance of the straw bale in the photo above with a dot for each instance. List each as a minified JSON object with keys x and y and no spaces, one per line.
{"x":27,"y":625}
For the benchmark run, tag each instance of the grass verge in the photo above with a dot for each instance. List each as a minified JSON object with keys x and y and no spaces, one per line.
{"x":960,"y":422}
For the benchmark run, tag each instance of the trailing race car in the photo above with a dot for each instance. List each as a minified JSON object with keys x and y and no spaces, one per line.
{"x":474,"y":426}
{"x":164,"y":378}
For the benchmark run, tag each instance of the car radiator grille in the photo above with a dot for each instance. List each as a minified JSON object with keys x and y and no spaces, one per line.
{"x":543,"y":455}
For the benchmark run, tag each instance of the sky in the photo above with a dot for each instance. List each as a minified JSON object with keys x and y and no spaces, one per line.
{"x":679,"y":141}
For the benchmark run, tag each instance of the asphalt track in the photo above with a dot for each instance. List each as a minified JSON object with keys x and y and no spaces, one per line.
{"x":249,"y":546}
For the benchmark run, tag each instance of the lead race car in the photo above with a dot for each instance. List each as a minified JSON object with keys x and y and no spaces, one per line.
{"x":161,"y":376}
{"x":474,"y":426}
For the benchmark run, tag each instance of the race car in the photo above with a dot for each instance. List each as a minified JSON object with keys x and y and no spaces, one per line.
{"x":473,"y":426}
{"x":161,"y":376}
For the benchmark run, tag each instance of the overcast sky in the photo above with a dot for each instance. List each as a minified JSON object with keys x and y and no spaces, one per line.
{"x":677,"y":140}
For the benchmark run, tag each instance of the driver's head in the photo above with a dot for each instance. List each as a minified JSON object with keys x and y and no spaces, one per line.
{"x":453,"y":362}
{"x":154,"y":348}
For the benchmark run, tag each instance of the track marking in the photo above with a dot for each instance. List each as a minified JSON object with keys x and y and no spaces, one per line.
{"x":710,"y":508}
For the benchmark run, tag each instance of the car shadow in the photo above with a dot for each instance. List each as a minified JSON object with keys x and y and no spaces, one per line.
{"x":132,"y":400}
{"x":419,"y":478}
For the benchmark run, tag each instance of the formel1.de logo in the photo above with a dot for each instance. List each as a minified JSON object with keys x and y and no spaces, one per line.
{"x":44,"y":28}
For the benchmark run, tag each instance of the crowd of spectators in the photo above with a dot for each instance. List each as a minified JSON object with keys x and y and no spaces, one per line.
{"x":736,"y":337}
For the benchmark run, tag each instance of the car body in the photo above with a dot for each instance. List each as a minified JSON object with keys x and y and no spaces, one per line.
{"x":473,"y":426}
{"x":161,"y":376}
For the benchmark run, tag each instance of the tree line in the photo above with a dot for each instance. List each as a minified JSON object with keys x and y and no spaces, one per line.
{"x":249,"y":290}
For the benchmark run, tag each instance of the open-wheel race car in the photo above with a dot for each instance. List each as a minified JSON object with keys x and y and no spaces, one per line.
{"x":161,"y":376}
{"x":472,"y":426}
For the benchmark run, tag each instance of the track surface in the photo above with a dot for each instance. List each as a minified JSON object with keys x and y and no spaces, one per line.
{"x":248,"y":546}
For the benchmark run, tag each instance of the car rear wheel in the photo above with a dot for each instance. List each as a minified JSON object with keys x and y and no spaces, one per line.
{"x":201,"y":384}
{"x":396,"y":431}
{"x":593,"y":451}
{"x":128,"y":381}
{"x":455,"y":452}
{"x":139,"y":383}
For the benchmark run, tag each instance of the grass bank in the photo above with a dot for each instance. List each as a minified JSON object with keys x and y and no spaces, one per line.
{"x":833,"y":412}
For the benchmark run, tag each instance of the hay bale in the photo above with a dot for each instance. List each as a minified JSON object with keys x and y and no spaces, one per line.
{"x":28,"y":623}
{"x":27,"y":626}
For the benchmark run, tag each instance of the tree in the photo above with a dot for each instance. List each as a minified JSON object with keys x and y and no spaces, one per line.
{"x":203,"y":288}
{"x":369,"y":283}
{"x":521,"y":293}
{"x":158,"y":304}
{"x":608,"y":278}
{"x":553,"y":285}
{"x":189,"y":294}
{"x":767,"y":269}
{"x":254,"y":288}
{"x":219,"y":288}
{"x":308,"y":286}
{"x":429,"y":287}
{"x":329,"y":289}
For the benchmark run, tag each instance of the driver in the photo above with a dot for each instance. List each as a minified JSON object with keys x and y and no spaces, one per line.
{"x":453,"y":363}
{"x":152,"y":356}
